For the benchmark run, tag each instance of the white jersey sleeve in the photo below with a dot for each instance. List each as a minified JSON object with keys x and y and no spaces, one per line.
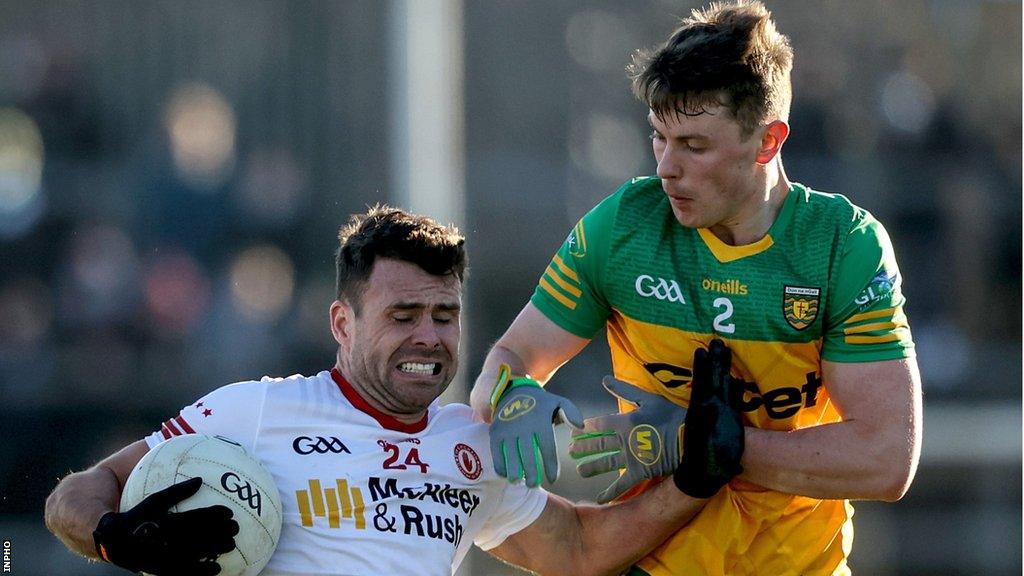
{"x":519,"y":507}
{"x":233,"y":411}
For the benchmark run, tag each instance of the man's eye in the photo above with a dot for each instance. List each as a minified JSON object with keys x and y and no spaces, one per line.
{"x":403,"y":319}
{"x":443,"y":320}
{"x":655,"y":136}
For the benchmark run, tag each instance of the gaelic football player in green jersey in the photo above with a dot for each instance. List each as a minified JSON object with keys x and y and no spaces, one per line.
{"x":801,"y":286}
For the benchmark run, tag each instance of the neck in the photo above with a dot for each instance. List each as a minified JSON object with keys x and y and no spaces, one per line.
{"x":752,"y":222}
{"x":372,"y":399}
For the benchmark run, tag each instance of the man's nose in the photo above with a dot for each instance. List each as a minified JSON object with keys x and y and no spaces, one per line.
{"x":668,"y":167}
{"x":426,"y":333}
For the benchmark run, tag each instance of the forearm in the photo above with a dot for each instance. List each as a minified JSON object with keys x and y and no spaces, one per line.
{"x":845,"y":460}
{"x":74,"y":508}
{"x":612,"y":538}
{"x":585,"y":539}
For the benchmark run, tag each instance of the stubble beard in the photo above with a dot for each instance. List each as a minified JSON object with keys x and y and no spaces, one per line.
{"x":372,"y":378}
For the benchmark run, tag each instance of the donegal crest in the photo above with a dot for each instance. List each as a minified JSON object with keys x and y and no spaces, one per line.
{"x":800,"y":305}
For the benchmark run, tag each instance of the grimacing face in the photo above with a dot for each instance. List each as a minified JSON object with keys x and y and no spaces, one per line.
{"x":401,"y":351}
{"x":707,"y":168}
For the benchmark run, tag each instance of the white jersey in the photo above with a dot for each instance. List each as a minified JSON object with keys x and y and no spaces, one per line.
{"x":362,"y":492}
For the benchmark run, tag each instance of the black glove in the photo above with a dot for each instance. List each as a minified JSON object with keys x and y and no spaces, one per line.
{"x":148,"y":538}
{"x":713,"y":432}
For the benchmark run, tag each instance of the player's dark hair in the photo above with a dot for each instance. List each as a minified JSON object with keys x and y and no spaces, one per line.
{"x":729,"y":54}
{"x":387,"y":232}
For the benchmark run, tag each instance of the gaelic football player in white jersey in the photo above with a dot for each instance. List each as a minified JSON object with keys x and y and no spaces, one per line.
{"x":375,"y":477}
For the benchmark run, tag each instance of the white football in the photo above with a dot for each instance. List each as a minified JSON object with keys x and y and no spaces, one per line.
{"x":231,"y":477}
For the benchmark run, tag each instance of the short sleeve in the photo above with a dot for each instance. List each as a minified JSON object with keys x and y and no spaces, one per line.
{"x":518,"y":507}
{"x":570,"y":291}
{"x":865,"y":318}
{"x":232,"y":411}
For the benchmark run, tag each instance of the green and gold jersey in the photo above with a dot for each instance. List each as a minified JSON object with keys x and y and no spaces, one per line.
{"x":822,"y":284}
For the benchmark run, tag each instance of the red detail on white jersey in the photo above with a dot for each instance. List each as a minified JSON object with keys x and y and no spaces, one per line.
{"x":169,"y":428}
{"x":184,"y":425}
{"x":207,"y":412}
{"x":172,"y":428}
{"x":467,"y":461}
{"x":386,"y":420}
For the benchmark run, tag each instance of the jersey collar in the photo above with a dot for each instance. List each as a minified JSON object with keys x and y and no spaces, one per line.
{"x":727,"y":253}
{"x":386,"y":420}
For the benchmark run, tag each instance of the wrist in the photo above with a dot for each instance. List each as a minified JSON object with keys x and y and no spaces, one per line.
{"x":506,"y":382}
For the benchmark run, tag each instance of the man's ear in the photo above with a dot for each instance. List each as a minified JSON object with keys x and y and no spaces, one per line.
{"x":774,"y":137}
{"x":342,"y":315}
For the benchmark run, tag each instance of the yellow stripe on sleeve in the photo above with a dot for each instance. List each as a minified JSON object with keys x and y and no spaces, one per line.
{"x":547,"y":287}
{"x":558,"y":280}
{"x":565,"y":269}
{"x":891,"y":337}
{"x":884,"y":313}
{"x":871,"y":327}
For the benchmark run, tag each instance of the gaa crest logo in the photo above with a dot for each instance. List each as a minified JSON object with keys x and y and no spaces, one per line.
{"x":645,"y":444}
{"x":242,"y":489}
{"x":467,"y":461}
{"x":800,"y":305}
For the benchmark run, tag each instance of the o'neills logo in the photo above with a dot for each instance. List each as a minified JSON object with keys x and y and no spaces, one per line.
{"x":731,"y":286}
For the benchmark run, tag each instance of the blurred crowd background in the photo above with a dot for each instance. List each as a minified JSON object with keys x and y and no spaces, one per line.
{"x":173,"y":175}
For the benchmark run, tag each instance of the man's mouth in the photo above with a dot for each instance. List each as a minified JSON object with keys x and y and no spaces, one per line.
{"x":420,"y":368}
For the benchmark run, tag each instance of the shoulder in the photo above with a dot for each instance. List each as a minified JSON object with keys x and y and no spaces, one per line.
{"x":835,"y":215}
{"x":457,"y":417}
{"x":638,"y":197}
{"x":814,"y":204}
{"x":635,"y":195}
{"x":252,"y":394}
{"x":636,"y":204}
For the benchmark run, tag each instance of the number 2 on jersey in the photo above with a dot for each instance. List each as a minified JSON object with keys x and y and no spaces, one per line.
{"x":722,"y":323}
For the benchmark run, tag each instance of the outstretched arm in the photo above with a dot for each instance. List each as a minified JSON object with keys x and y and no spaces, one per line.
{"x":75,"y":506}
{"x":571,"y":539}
{"x":871,"y":455}
{"x":532,"y":345}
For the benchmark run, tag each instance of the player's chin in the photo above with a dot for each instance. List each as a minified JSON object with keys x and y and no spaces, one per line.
{"x":421,"y":392}
{"x":687,"y":218}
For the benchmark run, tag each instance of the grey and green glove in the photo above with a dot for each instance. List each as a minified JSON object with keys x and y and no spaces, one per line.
{"x":644,"y":442}
{"x":522,"y":434}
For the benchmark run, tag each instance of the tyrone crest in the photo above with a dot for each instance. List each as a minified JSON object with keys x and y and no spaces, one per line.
{"x":800,"y":305}
{"x":467,"y":461}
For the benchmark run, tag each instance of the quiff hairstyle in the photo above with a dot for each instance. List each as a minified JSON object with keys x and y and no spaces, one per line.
{"x":728,"y":54}
{"x":387,"y":232}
